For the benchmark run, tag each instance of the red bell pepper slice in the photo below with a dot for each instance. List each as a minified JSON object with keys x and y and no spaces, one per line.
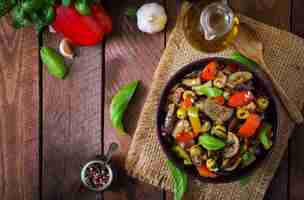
{"x":250,"y":126}
{"x":240,"y":98}
{"x":209,"y":72}
{"x":187,"y":102}
{"x":184,"y":137}
{"x":205,"y":172}
{"x":220,"y":100}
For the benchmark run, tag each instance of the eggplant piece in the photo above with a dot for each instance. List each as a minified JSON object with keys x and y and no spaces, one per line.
{"x":220,"y":80}
{"x":177,"y":95}
{"x":238,"y":78}
{"x":234,"y":146}
{"x":233,"y":124}
{"x":191,"y":82}
{"x":170,"y":119}
{"x":244,"y":86}
{"x":198,"y":155}
{"x":231,"y":164}
{"x":217,"y":113}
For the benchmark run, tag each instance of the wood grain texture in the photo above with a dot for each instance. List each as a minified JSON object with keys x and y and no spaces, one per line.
{"x":272,"y":12}
{"x":296,"y":147}
{"x":71,"y":122}
{"x":130,"y":55}
{"x":276,"y":13}
{"x":19,"y":137}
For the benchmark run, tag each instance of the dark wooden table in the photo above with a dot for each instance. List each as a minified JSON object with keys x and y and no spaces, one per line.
{"x":49,"y":128}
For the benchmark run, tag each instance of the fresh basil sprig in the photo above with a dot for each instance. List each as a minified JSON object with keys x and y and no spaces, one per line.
{"x":6,"y":6}
{"x":180,"y":181}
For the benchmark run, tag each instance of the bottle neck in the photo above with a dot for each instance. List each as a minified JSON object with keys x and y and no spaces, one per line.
{"x":216,"y":20}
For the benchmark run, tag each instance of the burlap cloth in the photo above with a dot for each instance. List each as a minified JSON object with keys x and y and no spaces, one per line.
{"x":284,"y":54}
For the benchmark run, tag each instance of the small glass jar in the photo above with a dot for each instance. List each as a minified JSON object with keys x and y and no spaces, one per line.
{"x":210,"y":26}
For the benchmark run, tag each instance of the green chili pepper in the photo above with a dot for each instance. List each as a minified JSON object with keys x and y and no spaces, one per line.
{"x":208,"y":91}
{"x":210,"y":142}
{"x":29,"y":6}
{"x":66,"y":2}
{"x":54,"y":62}
{"x":248,"y":158}
{"x":83,"y":7}
{"x":119,"y":105}
{"x":182,"y":154}
{"x":264,"y":136}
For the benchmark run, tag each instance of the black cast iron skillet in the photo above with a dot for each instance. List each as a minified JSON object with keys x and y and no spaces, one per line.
{"x":260,"y":80}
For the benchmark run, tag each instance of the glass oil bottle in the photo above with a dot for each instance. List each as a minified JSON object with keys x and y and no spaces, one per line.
{"x":210,"y":25}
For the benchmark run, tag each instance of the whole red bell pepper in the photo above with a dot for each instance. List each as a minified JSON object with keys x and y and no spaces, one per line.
{"x":80,"y":29}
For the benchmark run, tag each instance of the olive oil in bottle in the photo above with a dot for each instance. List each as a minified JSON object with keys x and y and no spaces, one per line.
{"x":210,"y":25}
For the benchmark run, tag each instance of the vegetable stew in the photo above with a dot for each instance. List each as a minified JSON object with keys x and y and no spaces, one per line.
{"x":217,"y":119}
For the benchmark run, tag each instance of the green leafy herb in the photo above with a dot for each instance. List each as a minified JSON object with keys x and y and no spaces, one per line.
{"x":120,"y":103}
{"x":244,"y":60}
{"x":210,"y":142}
{"x":6,"y":6}
{"x":131,"y":12}
{"x":244,"y":180}
{"x":205,"y":89}
{"x":248,"y":158}
{"x":83,"y":7}
{"x":180,"y":181}
{"x":37,"y":13}
{"x":66,"y":2}
{"x":264,"y":136}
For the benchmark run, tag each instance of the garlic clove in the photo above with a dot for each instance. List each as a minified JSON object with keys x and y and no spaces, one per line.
{"x":51,"y":29}
{"x":66,"y":49}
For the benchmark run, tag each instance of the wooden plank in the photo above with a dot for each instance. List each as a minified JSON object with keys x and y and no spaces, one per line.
{"x":296,"y":164}
{"x":275,"y":13}
{"x":19,"y":99}
{"x":71,"y":122}
{"x":272,"y":12}
{"x":130,"y":55}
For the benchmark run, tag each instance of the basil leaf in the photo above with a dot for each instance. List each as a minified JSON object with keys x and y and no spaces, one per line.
{"x":120,"y":103}
{"x":244,"y":60}
{"x":244,"y":180}
{"x":180,"y":181}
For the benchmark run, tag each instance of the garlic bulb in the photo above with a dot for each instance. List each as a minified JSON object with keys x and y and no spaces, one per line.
{"x":151,"y":18}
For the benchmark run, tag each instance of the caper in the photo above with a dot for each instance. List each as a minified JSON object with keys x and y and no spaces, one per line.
{"x":219,"y":130}
{"x":181,"y":113}
{"x":188,"y":94}
{"x":196,"y":150}
{"x":262,"y":103}
{"x":206,"y":126}
{"x":212,"y":165}
{"x":242,"y":113}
